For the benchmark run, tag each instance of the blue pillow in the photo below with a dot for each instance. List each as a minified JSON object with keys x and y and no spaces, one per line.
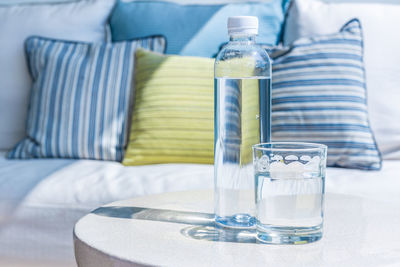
{"x":80,"y":98}
{"x":193,"y":30}
{"x":319,"y":95}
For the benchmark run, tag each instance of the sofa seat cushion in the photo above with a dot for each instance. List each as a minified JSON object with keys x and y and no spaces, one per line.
{"x":88,"y":183}
{"x":42,"y":199}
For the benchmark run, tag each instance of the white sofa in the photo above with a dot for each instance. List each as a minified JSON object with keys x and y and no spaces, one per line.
{"x":41,"y":200}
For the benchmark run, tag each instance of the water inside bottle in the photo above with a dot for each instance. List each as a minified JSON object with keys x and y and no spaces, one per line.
{"x":242,"y":120}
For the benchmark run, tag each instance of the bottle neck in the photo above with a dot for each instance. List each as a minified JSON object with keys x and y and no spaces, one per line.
{"x":247,"y":39}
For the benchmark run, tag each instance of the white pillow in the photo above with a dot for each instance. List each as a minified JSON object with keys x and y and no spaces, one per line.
{"x":82,"y":21}
{"x":382,"y":56}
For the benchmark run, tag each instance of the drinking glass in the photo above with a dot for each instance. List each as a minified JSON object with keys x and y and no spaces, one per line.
{"x":289,"y":184}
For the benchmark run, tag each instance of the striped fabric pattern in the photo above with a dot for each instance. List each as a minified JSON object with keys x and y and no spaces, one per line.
{"x":319,"y":95}
{"x":173,"y":118}
{"x":80,"y":98}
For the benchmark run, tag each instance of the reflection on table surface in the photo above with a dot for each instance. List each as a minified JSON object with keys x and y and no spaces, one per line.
{"x":202,"y":224}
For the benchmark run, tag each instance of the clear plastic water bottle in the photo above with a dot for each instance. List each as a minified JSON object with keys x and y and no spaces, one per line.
{"x":242,"y":118}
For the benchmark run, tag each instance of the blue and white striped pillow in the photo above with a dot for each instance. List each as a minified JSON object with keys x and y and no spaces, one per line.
{"x":80,"y":98}
{"x":319,"y":95}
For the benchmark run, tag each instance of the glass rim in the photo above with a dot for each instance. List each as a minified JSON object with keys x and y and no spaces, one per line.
{"x":296,"y":146}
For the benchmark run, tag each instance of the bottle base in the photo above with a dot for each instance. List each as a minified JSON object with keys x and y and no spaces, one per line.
{"x":237,"y":221}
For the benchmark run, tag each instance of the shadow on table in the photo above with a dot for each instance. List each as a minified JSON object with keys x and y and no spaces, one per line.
{"x":202,"y":224}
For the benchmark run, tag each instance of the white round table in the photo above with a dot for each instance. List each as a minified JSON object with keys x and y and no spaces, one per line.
{"x":176,"y":229}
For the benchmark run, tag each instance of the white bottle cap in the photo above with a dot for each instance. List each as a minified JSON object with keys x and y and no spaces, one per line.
{"x":242,"y":24}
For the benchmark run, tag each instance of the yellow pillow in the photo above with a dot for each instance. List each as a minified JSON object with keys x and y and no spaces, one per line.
{"x":173,"y":117}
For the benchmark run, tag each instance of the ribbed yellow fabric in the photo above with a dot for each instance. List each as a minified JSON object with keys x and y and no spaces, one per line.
{"x":173,"y":117}
{"x":249,"y":123}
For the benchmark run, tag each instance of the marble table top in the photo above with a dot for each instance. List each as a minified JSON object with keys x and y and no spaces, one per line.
{"x":177,"y":229}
